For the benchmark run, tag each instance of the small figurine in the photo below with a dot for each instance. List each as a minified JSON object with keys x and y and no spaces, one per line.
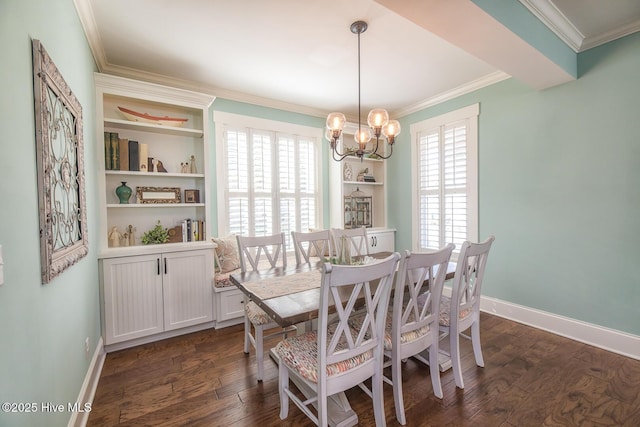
{"x":114,"y":237}
{"x":131,"y":235}
{"x":183,"y":167}
{"x":160,"y":167}
{"x":193,"y":164}
{"x":125,"y":239}
{"x":362,"y":173}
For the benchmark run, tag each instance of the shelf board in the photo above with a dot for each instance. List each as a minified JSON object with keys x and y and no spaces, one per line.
{"x":362,"y":183}
{"x":150,"y":127}
{"x":153,"y":205}
{"x":365,"y":159}
{"x":155,"y":174}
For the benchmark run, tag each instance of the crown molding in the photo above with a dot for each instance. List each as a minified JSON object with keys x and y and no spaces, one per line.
{"x":219,"y":92}
{"x":601,"y":39}
{"x":464,"y":89}
{"x":555,"y":20}
{"x":85,"y":13}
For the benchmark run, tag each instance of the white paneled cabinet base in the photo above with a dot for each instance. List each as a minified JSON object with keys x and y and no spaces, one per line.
{"x":229,"y":306}
{"x":153,"y":291}
{"x":154,"y":296}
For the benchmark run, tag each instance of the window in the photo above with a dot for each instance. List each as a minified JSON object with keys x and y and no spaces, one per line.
{"x":268,"y":177}
{"x":445,"y":179}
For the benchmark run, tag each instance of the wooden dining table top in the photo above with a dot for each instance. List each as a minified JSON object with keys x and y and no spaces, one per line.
{"x":291,"y":295}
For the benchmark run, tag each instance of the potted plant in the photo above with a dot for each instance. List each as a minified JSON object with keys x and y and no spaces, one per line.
{"x":157,"y":234}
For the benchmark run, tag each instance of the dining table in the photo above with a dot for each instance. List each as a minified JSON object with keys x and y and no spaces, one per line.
{"x":291,"y":296}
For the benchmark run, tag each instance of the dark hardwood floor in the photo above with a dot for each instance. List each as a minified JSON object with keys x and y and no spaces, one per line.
{"x":530,"y":378}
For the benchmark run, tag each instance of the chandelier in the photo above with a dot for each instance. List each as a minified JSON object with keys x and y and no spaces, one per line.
{"x":378,"y":121}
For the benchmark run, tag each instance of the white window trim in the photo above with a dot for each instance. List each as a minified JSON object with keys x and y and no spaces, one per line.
{"x":469,"y":113}
{"x":223,"y":119}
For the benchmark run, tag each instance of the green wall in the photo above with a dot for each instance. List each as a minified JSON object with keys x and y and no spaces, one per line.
{"x":42,"y":327}
{"x":558,"y":187}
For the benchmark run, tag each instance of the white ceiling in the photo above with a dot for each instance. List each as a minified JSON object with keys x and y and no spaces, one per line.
{"x":301,"y":55}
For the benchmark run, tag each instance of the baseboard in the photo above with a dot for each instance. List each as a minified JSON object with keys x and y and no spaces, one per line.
{"x":598,"y":336}
{"x":229,"y":322}
{"x":157,"y":337}
{"x":87,"y":391}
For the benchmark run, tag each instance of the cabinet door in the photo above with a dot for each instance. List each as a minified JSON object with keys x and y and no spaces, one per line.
{"x":230,"y":305}
{"x":132,"y":297}
{"x":188,"y":288}
{"x":381,"y":241}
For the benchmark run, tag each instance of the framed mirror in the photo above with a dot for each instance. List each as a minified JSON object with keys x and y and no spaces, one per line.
{"x":60,"y":166}
{"x":157,"y":195}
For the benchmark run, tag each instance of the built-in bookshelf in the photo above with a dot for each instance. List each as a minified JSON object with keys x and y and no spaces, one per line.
{"x":358,"y":194}
{"x":166,"y":286}
{"x":164,"y":163}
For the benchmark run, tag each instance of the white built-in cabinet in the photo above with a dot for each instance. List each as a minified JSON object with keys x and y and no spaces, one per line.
{"x":146,"y":295}
{"x":150,"y":292}
{"x":349,"y":201}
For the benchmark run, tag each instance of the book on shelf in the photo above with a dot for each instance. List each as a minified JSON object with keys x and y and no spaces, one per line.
{"x":193,"y":230}
{"x":123,"y":144}
{"x":369,"y":178}
{"x":143,"y":157}
{"x":133,"y":156}
{"x":107,"y":151}
{"x":115,"y":151}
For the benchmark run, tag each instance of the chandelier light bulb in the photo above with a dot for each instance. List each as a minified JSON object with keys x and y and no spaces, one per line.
{"x":391,"y":130}
{"x":362,"y":137}
{"x":336,"y":121}
{"x":378,"y":118}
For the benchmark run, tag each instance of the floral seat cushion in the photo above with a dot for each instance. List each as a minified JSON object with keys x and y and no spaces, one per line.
{"x":300,"y":353}
{"x":223,"y":279}
{"x":256,"y":315}
{"x":445,"y":309}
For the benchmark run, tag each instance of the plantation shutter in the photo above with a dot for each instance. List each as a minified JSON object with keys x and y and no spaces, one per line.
{"x":443,"y":190}
{"x":271,"y":182}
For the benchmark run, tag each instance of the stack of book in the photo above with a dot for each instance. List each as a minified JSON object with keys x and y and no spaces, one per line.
{"x":193,"y":230}
{"x":124,"y":154}
{"x":369,"y":178}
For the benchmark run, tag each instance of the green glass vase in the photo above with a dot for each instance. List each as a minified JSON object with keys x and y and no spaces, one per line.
{"x":124,"y":193}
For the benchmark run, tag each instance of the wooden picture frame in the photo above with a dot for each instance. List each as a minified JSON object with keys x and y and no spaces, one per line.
{"x":192,"y":196}
{"x":60,"y":168}
{"x":158,"y":195}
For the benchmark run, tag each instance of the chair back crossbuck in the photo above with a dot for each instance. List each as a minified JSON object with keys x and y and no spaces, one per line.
{"x":312,"y":245}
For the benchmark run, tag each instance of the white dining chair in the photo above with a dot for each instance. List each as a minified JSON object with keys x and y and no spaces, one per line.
{"x":311,"y":245}
{"x":356,"y":237}
{"x":462,"y":310}
{"x":337,"y":356}
{"x":258,"y":252}
{"x":412,"y":322}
